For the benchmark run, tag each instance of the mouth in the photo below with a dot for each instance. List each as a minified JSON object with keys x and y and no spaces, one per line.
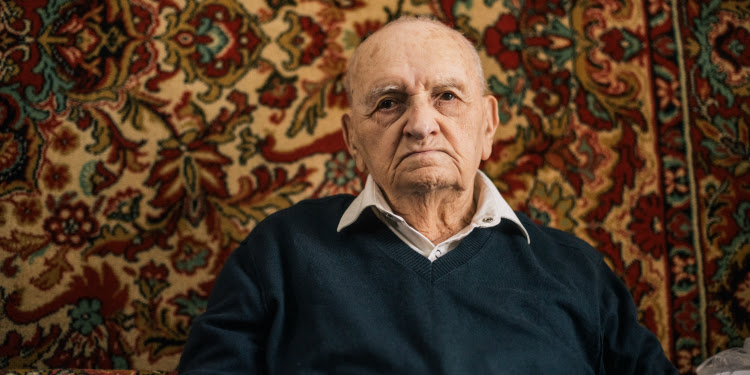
{"x":420,"y":154}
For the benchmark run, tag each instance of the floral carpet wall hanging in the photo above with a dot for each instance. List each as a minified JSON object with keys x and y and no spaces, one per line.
{"x":141,"y":140}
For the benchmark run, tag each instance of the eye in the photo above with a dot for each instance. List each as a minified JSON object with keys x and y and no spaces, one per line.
{"x":386,"y":104}
{"x":447,"y":96}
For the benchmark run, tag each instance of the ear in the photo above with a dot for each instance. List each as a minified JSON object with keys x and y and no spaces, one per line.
{"x":491,"y":122}
{"x":351,"y":141}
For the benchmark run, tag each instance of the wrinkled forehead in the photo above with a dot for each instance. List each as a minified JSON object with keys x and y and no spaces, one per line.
{"x":420,"y":51}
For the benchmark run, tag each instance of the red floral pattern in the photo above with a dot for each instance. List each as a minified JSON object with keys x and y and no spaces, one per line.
{"x":278,"y":92}
{"x":56,"y":176}
{"x":27,"y":211}
{"x":71,"y":224}
{"x":503,"y":41}
{"x":65,"y":141}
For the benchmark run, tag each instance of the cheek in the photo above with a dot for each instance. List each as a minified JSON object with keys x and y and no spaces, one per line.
{"x":453,"y":109}
{"x":385,"y":119}
{"x":467,"y":136}
{"x":379,"y":143}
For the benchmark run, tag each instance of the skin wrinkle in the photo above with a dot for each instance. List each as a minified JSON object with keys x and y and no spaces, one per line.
{"x":378,"y":93}
{"x":396,"y":92}
{"x":455,"y":35}
{"x":419,"y":122}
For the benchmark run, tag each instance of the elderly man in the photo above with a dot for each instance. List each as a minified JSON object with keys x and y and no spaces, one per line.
{"x":428,"y":270}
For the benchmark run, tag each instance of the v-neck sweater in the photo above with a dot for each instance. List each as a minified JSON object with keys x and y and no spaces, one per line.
{"x":299,"y":298}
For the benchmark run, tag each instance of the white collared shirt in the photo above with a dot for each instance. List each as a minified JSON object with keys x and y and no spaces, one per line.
{"x":491,"y":209}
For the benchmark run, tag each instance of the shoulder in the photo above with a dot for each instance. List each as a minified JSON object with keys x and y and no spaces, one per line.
{"x":304,"y":225}
{"x":556,"y":242}
{"x":293,"y":241}
{"x":335,"y":204}
{"x":317,"y":212}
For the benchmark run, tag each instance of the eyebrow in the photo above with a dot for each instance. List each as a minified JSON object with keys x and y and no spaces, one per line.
{"x":379,"y":91}
{"x":375,"y":93}
{"x":451,"y":83}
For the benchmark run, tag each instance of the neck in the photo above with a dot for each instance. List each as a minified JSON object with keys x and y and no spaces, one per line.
{"x":438,"y":215}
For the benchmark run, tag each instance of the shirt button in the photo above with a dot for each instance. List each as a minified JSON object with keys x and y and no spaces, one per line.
{"x":488,"y":219}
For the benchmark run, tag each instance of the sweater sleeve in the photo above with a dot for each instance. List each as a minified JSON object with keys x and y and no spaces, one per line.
{"x":230,"y":336}
{"x":627,"y":346}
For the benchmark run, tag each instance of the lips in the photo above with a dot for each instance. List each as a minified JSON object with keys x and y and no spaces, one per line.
{"x":420,"y":153}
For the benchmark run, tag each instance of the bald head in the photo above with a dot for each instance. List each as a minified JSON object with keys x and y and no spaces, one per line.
{"x":413,"y":32}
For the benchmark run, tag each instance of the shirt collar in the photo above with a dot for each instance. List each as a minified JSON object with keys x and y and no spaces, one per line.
{"x":491,"y":206}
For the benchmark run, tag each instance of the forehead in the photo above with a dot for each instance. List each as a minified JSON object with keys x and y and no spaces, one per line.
{"x":412,"y":54}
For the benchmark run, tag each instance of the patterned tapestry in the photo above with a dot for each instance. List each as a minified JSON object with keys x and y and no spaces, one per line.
{"x":141,"y":141}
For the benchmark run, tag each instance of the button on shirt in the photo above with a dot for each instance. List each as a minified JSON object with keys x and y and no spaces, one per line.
{"x":491,"y":209}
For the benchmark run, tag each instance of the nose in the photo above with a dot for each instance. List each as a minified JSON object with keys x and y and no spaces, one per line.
{"x":422,"y":120}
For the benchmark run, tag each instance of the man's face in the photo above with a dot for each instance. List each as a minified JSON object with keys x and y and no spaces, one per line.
{"x":419,"y":121}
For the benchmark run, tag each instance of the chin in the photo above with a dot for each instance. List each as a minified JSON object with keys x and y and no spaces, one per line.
{"x":428,"y":183}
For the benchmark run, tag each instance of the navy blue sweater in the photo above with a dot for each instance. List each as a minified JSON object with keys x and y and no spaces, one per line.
{"x":299,"y":298}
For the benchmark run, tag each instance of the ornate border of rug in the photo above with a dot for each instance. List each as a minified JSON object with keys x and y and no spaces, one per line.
{"x":141,"y":140}
{"x":85,"y":372}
